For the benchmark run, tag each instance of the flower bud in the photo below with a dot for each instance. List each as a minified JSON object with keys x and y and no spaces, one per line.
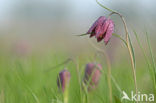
{"x":63,"y":79}
{"x":92,"y":75}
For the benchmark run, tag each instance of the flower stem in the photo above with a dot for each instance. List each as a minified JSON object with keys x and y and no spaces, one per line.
{"x":129,"y":49}
{"x":65,"y":95}
{"x":128,"y":43}
{"x":104,"y":6}
{"x":109,"y":70}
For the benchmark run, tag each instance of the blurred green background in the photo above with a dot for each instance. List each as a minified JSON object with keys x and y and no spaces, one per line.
{"x":36,"y":35}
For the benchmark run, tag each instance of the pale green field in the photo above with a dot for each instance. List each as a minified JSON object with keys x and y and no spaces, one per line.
{"x":26,"y":80}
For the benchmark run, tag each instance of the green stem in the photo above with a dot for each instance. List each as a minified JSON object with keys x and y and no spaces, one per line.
{"x":109,"y":70}
{"x":118,"y":36}
{"x":129,"y":46}
{"x":104,"y":6}
{"x":65,"y":95}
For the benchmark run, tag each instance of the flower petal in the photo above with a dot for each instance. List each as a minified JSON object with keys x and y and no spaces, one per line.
{"x":95,"y":24}
{"x":63,"y":79}
{"x":92,"y":75}
{"x":103,"y":28}
{"x":100,"y":38}
{"x":100,"y":23}
{"x":109,"y":31}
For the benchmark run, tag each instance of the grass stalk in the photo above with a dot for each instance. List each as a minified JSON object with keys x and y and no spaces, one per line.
{"x":65,"y":95}
{"x":151,"y":54}
{"x":152,"y":72}
{"x":79,"y":77}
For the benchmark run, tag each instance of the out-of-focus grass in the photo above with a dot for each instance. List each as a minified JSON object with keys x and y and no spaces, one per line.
{"x":25,"y":80}
{"x":151,"y":69}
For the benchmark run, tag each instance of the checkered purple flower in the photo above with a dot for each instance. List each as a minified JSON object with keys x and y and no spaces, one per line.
{"x":102,"y":29}
{"x":63,"y":79}
{"x":92,"y":75}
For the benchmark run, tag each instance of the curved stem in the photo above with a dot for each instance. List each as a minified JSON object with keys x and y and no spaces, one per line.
{"x":104,"y":6}
{"x":118,"y":36}
{"x":58,"y":65}
{"x":128,"y":43}
{"x":129,"y":49}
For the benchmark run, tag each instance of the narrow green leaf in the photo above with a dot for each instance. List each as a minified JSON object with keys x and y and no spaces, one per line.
{"x":116,"y":84}
{"x":34,"y":96}
{"x":132,"y":49}
{"x":151,"y":54}
{"x":141,"y":47}
{"x":82,"y":35}
{"x":58,"y":65}
{"x":118,"y":36}
{"x":104,"y":6}
{"x":146,"y":58}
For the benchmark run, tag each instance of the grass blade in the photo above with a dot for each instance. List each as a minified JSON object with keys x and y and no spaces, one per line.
{"x":34,"y":96}
{"x":132,"y":50}
{"x":151,"y":53}
{"x":118,"y":36}
{"x":82,"y":35}
{"x":146,"y":58}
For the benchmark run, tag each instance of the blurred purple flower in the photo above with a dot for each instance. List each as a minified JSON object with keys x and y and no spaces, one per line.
{"x":92,"y":75}
{"x":102,"y":29}
{"x":22,"y":48}
{"x":63,"y":79}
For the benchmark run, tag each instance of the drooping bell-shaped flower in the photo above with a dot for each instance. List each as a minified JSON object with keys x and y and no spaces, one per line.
{"x":102,"y":29}
{"x":63,"y":79}
{"x":92,"y":75}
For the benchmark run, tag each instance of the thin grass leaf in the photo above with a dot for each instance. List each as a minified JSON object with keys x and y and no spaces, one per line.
{"x":151,"y":52}
{"x":132,"y":49}
{"x":146,"y":58}
{"x":81,"y":35}
{"x":116,"y":84}
{"x":141,"y":47}
{"x":118,"y":36}
{"x":55,"y":95}
{"x":34,"y":96}
{"x":58,"y":65}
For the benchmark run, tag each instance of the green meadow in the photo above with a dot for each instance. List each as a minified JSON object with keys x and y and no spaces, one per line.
{"x":33,"y":78}
{"x":35,"y":46}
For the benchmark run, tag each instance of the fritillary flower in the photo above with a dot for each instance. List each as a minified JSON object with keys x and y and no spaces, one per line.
{"x":102,"y":29}
{"x":63,"y":79}
{"x":92,"y":75}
